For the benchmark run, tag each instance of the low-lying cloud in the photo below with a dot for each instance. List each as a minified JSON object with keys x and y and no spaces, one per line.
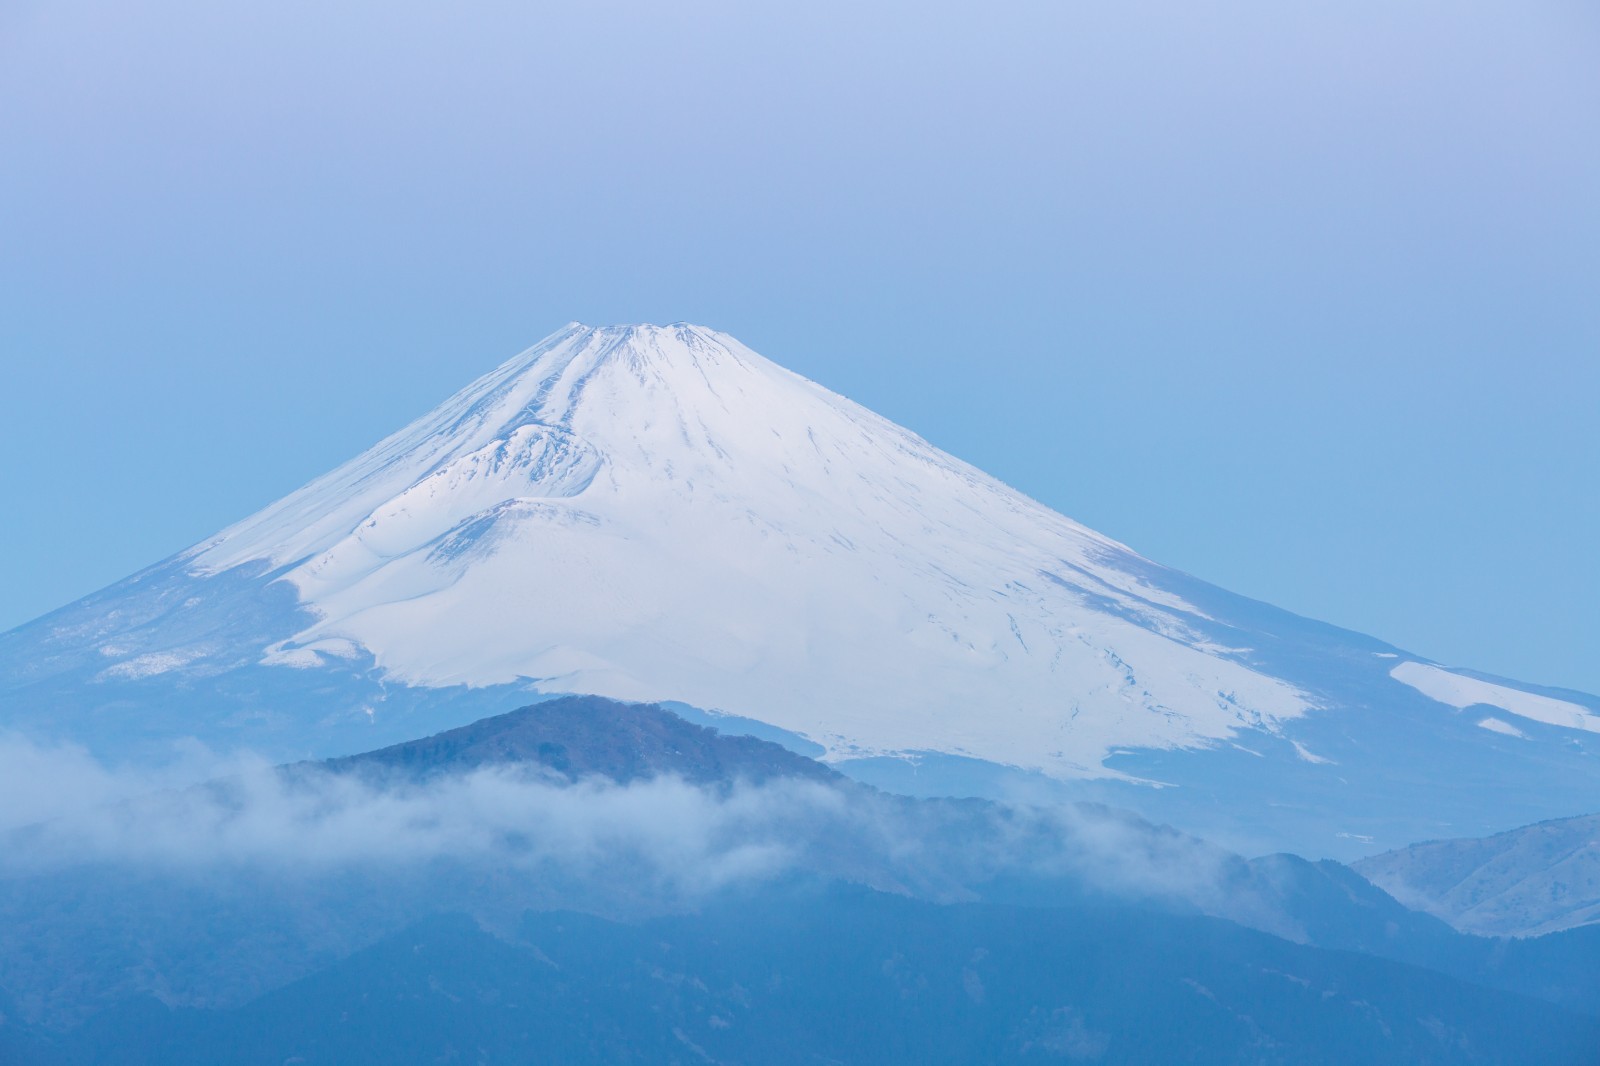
{"x":62,"y":809}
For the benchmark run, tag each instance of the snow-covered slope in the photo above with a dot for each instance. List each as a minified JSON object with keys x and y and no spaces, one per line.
{"x":660,"y":513}
{"x":657,"y":512}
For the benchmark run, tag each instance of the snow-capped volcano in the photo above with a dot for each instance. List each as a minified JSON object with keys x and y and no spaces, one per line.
{"x":659,"y":513}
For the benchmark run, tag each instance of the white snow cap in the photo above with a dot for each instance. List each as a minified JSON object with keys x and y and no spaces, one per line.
{"x":657,"y":512}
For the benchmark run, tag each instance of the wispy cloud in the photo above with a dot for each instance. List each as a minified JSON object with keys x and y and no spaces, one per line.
{"x":63,"y":808}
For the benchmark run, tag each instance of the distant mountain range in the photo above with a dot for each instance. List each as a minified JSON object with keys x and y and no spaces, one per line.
{"x":849,"y":977}
{"x":1537,"y":879}
{"x":659,"y":513}
{"x":909,"y":931}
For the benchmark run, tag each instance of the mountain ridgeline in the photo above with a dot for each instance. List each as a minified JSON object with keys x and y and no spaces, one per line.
{"x":587,"y":736}
{"x":1537,"y":879}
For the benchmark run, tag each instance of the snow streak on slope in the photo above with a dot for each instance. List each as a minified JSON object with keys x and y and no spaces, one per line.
{"x":660,"y":513}
{"x":1458,"y":690}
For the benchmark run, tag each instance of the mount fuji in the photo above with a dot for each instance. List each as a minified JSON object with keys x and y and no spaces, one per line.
{"x":659,"y":513}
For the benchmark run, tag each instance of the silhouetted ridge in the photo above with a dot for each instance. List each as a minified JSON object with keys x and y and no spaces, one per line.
{"x":853,"y":976}
{"x":583,"y":736}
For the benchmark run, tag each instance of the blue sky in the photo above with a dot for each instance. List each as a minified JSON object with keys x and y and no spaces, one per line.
{"x":1299,"y":298}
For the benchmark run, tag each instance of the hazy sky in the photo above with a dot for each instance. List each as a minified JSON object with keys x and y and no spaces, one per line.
{"x":1303,"y":299}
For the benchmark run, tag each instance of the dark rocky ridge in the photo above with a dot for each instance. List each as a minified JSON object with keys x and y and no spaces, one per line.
{"x":584,"y":736}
